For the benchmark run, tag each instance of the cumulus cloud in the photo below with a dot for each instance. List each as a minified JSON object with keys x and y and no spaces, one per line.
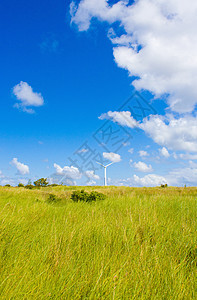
{"x":92,"y":175}
{"x":171,"y":132}
{"x":113,"y":157}
{"x":164,"y":152}
{"x":10,"y":181}
{"x":175,"y":133}
{"x":157,"y":48}
{"x":22,"y":168}
{"x":27,"y":97}
{"x":123,"y":118}
{"x":68,"y":172}
{"x":150,"y":180}
{"x":142,"y":167}
{"x":176,"y":177}
{"x":91,"y":182}
{"x":56,"y":178}
{"x":143,"y":153}
{"x":182,"y":176}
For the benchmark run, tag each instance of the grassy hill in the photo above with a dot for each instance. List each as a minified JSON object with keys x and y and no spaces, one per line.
{"x":138,"y":243}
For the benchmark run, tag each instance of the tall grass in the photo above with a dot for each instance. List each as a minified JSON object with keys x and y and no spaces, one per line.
{"x":136,"y":244}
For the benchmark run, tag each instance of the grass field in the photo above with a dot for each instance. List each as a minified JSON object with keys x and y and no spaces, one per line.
{"x":139,"y":243}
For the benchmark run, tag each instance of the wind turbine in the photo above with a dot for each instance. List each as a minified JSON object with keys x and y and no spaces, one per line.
{"x":105,"y":167}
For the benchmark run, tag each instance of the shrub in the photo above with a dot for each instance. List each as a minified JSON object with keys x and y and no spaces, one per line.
{"x":8,"y":185}
{"x":164,"y":185}
{"x":20,"y":185}
{"x":94,"y":196}
{"x":53,"y":198}
{"x":29,"y":186}
{"x":77,"y":196}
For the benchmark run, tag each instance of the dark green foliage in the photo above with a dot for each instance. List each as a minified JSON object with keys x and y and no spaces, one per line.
{"x":42,"y":182}
{"x":94,"y":196}
{"x":20,"y":185}
{"x":77,"y":196}
{"x":29,"y":186}
{"x":8,"y":185}
{"x":164,"y":185}
{"x":53,"y":198}
{"x":53,"y":184}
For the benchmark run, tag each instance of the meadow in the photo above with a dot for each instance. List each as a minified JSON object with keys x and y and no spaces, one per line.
{"x":138,"y":243}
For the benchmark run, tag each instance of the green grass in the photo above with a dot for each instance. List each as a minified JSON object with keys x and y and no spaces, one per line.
{"x":136,"y":244}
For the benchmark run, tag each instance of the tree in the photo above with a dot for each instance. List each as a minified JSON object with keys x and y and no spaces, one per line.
{"x":41,"y":182}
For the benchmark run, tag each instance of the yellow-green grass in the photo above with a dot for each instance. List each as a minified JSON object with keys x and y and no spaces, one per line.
{"x":139,"y":243}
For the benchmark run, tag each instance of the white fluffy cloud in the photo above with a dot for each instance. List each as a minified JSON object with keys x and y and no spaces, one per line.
{"x":92,"y":175}
{"x":123,"y":118}
{"x":143,"y":153}
{"x":182,"y":176}
{"x":164,"y":152}
{"x":113,"y":157}
{"x":68,"y":172}
{"x":27,"y":97}
{"x":10,"y":181}
{"x":176,"y":177}
{"x":175,"y":133}
{"x":142,"y":167}
{"x":158,"y":46}
{"x":22,"y":168}
{"x":149,"y":180}
{"x":91,"y":182}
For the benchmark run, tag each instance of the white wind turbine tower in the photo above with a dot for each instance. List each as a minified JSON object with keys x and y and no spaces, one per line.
{"x":105,"y":167}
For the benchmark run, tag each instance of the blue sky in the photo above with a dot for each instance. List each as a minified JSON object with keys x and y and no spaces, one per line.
{"x":78,"y":71}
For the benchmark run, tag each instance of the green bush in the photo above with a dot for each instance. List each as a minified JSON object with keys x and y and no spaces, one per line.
{"x":77,"y":196}
{"x":20,"y":185}
{"x":53,"y":198}
{"x":8,"y":185}
{"x":94,"y":196}
{"x":29,"y":186}
{"x":164,"y":185}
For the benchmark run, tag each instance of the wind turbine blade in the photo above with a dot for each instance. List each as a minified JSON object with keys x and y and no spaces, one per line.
{"x":100,"y":164}
{"x":109,"y":164}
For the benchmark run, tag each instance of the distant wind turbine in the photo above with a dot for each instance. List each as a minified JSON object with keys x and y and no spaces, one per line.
{"x":105,"y":167}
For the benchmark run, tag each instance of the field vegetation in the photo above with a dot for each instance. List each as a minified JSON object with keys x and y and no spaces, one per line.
{"x":137,"y":243}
